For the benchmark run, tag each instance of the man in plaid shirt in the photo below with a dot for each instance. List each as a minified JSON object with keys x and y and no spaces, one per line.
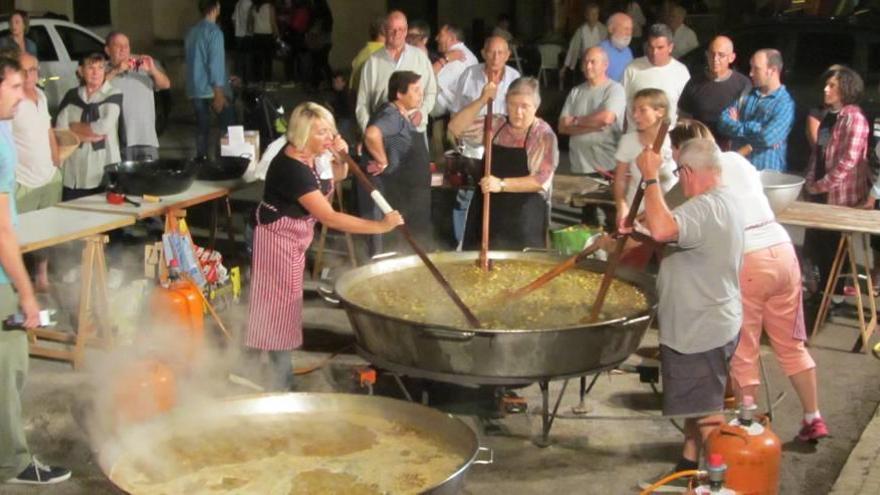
{"x":762,"y":121}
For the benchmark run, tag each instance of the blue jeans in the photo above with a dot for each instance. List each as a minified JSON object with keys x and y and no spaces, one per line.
{"x":203,"y":110}
{"x":459,"y":212}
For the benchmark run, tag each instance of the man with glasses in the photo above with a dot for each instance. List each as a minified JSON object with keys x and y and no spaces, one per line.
{"x":699,"y":316}
{"x":707,"y":94}
{"x":396,"y":56}
{"x":37,"y":174}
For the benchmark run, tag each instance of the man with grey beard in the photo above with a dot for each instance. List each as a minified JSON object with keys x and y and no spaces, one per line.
{"x":620,"y":28}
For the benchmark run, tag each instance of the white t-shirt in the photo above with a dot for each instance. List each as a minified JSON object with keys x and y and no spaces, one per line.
{"x":447,"y":79}
{"x":685,"y":40}
{"x":30,"y":127}
{"x":628,"y":149}
{"x":641,"y":74}
{"x":762,"y":231}
{"x":240,"y":17}
{"x":638,"y":18}
{"x":583,"y":39}
{"x":263,"y":19}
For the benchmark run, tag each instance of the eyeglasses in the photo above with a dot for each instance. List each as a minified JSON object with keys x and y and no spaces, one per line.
{"x":678,"y":169}
{"x":714,"y":55}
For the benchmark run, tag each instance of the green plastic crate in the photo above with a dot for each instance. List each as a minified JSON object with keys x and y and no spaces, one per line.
{"x":571,"y":240}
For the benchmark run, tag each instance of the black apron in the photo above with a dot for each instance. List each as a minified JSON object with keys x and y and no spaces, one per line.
{"x":408,"y":190}
{"x":516,"y":220}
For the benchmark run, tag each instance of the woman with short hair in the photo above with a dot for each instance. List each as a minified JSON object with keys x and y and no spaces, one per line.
{"x":397,"y":158}
{"x":525,"y":154}
{"x":19,"y":24}
{"x":295,"y":198}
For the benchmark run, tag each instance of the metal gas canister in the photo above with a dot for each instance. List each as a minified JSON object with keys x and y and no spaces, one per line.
{"x":752,"y":452}
{"x":143,"y":389}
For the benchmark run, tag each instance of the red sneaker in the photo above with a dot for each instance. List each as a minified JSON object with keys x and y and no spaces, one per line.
{"x":813,"y":431}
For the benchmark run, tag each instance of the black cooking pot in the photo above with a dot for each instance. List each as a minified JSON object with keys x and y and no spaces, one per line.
{"x":160,"y":177}
{"x":223,"y":168}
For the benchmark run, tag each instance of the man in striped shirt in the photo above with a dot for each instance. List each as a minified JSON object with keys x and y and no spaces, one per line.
{"x":764,"y":119}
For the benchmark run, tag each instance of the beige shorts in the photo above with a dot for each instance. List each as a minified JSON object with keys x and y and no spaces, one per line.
{"x":36,"y":198}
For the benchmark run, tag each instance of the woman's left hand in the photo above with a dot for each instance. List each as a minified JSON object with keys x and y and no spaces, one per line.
{"x":490,"y":184}
{"x":339,"y":145}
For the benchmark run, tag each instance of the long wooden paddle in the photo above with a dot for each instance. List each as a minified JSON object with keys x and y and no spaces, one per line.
{"x":611,"y":267}
{"x":386,"y":208}
{"x":569,"y":263}
{"x":487,"y":195}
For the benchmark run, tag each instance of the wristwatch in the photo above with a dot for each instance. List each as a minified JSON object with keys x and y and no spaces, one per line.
{"x":501,"y":184}
{"x":648,"y":182}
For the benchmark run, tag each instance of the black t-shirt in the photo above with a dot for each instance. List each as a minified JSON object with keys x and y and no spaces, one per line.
{"x":287,"y":180}
{"x":705,"y":98}
{"x":822,"y":137}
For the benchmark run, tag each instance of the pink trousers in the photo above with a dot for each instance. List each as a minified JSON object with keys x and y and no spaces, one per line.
{"x":770,"y":281}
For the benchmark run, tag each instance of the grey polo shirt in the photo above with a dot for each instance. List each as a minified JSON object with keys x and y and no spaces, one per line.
{"x":700,"y":304}
{"x":138,"y":108}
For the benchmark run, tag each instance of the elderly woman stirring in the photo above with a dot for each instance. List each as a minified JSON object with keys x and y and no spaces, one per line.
{"x":524,"y":157}
{"x":294,"y":200}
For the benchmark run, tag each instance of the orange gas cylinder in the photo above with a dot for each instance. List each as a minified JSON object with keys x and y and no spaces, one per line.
{"x":179,"y":306}
{"x":751,"y":450}
{"x":143,"y":389}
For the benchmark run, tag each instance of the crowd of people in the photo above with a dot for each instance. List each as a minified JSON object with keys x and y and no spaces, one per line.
{"x":725,"y":128}
{"x":297,"y":31}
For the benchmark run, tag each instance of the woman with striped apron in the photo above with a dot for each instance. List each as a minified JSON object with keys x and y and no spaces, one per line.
{"x":293,"y":201}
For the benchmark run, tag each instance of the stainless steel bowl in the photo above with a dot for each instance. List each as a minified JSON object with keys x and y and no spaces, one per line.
{"x":491,"y":356}
{"x":781,"y":189}
{"x":453,"y":433}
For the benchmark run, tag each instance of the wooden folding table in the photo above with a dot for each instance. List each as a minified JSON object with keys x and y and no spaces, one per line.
{"x":849,"y":222}
{"x":200,"y":192}
{"x":50,"y":227}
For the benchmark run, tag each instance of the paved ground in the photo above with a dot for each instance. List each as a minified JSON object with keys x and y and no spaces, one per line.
{"x":586,"y":456}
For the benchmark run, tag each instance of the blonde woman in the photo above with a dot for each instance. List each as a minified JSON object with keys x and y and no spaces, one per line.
{"x":650,"y":108}
{"x":295,"y":198}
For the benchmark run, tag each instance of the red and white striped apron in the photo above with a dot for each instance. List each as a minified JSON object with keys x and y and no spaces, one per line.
{"x":276,"y":298}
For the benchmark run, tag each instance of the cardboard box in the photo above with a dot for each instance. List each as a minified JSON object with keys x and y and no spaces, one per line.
{"x":250,"y":137}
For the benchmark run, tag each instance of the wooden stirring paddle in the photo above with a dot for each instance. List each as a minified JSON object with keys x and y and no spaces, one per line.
{"x":508,"y":296}
{"x":487,"y":171}
{"x":386,"y":208}
{"x":611,"y":267}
